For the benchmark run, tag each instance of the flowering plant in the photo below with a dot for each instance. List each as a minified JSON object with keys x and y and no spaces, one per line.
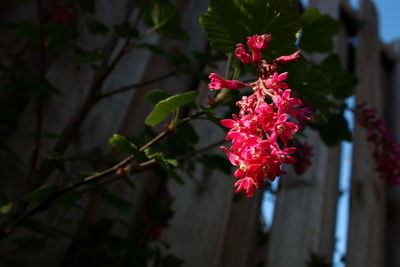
{"x":267,"y":116}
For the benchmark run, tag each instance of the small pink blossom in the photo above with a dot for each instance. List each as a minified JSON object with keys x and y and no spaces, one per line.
{"x":218,"y":82}
{"x":276,"y":83}
{"x":287,"y":59}
{"x":242,"y":54}
{"x":256,"y":44}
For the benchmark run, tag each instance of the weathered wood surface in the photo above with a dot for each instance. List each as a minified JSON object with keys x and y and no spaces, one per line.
{"x":240,"y":240}
{"x":392,"y":84}
{"x":366,"y":240}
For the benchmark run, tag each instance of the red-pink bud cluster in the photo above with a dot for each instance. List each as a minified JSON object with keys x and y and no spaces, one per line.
{"x":258,"y":127}
{"x":386,"y":152}
{"x":63,"y":13}
{"x":302,"y":155}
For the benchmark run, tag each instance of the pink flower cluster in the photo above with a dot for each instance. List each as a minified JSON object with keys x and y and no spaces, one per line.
{"x":302,"y":156}
{"x":255,"y":131}
{"x":63,"y":13}
{"x":386,"y":152}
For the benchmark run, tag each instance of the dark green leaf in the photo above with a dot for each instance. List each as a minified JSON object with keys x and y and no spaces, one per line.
{"x":125,"y":30}
{"x":91,"y":57}
{"x":155,"y":96}
{"x":28,"y":84}
{"x":27,"y":30}
{"x":165,"y":18}
{"x":173,"y":162}
{"x":41,"y":194}
{"x":317,"y":31}
{"x":123,"y":145}
{"x":342,"y":82}
{"x":67,"y":199}
{"x":228,"y":23}
{"x":6,"y":208}
{"x":87,"y":6}
{"x":167,"y":165}
{"x":217,"y":162}
{"x":117,"y":202}
{"x":164,"y":107}
{"x":96,"y":27}
{"x":334,"y":130}
{"x":58,"y":160}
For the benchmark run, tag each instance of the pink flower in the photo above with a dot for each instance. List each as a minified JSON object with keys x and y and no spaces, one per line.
{"x":256,"y":44}
{"x":276,"y":83}
{"x":218,"y":82}
{"x":386,"y":152}
{"x":302,"y":157}
{"x":259,"y":42}
{"x":284,"y":129}
{"x":242,"y":54}
{"x":246,"y":184}
{"x":285,"y":103}
{"x":287,"y":59}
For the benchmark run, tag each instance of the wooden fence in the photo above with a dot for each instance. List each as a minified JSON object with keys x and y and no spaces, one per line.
{"x":208,"y":228}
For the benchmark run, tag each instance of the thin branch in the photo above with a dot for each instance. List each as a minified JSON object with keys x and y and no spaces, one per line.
{"x":39,"y":104}
{"x":9,"y":227}
{"x":59,"y":193}
{"x":79,"y":117}
{"x":136,"y":85}
{"x":202,"y":150}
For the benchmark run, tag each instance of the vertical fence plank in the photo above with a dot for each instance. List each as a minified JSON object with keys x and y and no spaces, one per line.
{"x":392,"y":84}
{"x":239,"y":243}
{"x":367,"y":207}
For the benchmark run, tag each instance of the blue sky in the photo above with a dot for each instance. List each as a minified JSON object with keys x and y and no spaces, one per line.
{"x":389,"y":19}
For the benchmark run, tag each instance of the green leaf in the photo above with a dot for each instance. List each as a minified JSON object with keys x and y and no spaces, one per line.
{"x":173,"y":162}
{"x":57,"y":36}
{"x":317,"y":31}
{"x":67,"y":199}
{"x":311,"y":82}
{"x":165,"y":18}
{"x":58,"y":160}
{"x":27,"y":30}
{"x":334,"y":130}
{"x":28,"y":84}
{"x":125,"y":30}
{"x":91,"y":57}
{"x":87,"y":6}
{"x":167,"y":165}
{"x":218,"y":162}
{"x":96,"y":27}
{"x":123,"y":145}
{"x":164,"y":107}
{"x":155,"y":96}
{"x":6,"y":208}
{"x":343,"y":83}
{"x":228,"y":23}
{"x":115,"y":201}
{"x":40,"y":194}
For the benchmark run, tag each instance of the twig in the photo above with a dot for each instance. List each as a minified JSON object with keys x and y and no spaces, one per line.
{"x":39,"y":104}
{"x":136,"y":85}
{"x":10,"y":226}
{"x":72,"y":126}
{"x":202,"y":150}
{"x":59,"y":193}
